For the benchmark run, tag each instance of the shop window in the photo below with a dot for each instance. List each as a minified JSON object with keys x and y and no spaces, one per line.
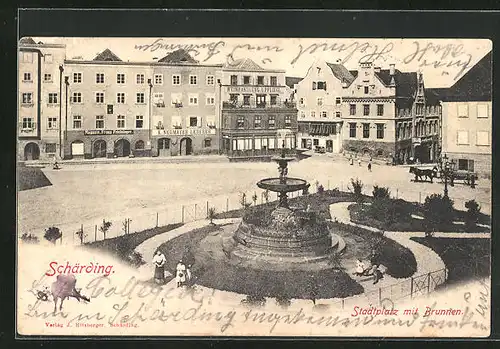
{"x":139,"y":145}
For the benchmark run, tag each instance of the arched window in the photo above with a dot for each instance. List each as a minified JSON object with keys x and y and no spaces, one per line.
{"x":139,"y":145}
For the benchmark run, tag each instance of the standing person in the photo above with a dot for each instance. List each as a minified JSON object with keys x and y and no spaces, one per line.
{"x":370,"y":166}
{"x":351,"y":161}
{"x":159,"y":261}
{"x":188,"y":274}
{"x":377,"y":274}
{"x":359,"y":162}
{"x":180,"y":275}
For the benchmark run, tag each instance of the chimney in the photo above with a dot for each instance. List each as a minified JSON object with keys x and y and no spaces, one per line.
{"x":376,"y":69}
{"x":392,"y":69}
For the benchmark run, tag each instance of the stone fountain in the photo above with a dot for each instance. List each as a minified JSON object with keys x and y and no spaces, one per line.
{"x":285,"y":234}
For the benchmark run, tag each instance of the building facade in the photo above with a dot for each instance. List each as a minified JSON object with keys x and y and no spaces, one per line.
{"x":39,"y":108}
{"x":184,"y":107}
{"x":258,"y":119}
{"x":467,"y":119}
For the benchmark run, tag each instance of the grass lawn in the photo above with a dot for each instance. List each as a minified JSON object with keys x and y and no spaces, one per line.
{"x":31,"y":178}
{"x":361,"y":214}
{"x":123,"y":246}
{"x":464,"y":258}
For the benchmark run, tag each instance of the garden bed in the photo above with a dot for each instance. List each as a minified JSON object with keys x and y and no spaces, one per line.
{"x":465,"y":258}
{"x":31,"y":178}
{"x":123,"y":246}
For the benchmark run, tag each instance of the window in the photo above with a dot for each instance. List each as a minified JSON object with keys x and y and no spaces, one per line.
{"x":210,"y":121}
{"x":367,"y":90}
{"x":366,"y":109}
{"x":210,"y":80}
{"x":193,"y":99}
{"x":352,"y":109}
{"x":77,"y":78}
{"x":77,"y":97}
{"x":466,"y":165}
{"x":288,"y":121}
{"x":27,"y":77}
{"x":352,"y":129}
{"x":257,"y":121}
{"x":380,"y":131}
{"x":313,"y":114}
{"x":482,"y":111}
{"x":323,"y":114}
{"x":272,"y":121}
{"x":158,"y":97}
{"x":120,"y":98}
{"x":139,"y":145}
{"x":27,"y":98}
{"x":28,"y":123}
{"x":366,"y":130}
{"x":338,"y":101}
{"x":260,"y":80}
{"x":193,"y":80}
{"x":99,"y":97}
{"x":139,"y":121}
{"x":240,"y":122}
{"x":77,"y":121}
{"x":47,"y":77}
{"x":210,"y":100}
{"x":193,"y":121}
{"x":261,"y":101}
{"x":320,"y":101}
{"x":463,"y":111}
{"x":274,"y":81}
{"x":120,"y":121}
{"x":233,"y":98}
{"x":99,"y":78}
{"x":246,"y":100}
{"x":301,"y":101}
{"x":52,"y":98}
{"x":380,"y":110}
{"x":120,"y":78}
{"x":176,"y":79}
{"x":207,"y":143}
{"x":139,"y":79}
{"x":234,"y":80}
{"x":315,"y":141}
{"x":337,"y":114}
{"x":99,"y":121}
{"x":321,"y":85}
{"x":140,"y":98}
{"x":176,"y":98}
{"x":463,"y":137}
{"x":482,"y":138}
{"x":274,"y":100}
{"x":246,"y":80}
{"x":158,"y":79}
{"x":50,"y":148}
{"x":52,"y":123}
{"x":302,"y":114}
{"x":48,"y":58}
{"x":27,"y":57}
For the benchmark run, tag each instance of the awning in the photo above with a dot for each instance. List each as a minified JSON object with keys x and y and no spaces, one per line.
{"x":323,"y":129}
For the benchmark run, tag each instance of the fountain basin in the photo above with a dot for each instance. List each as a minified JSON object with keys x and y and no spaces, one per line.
{"x":286,"y":186}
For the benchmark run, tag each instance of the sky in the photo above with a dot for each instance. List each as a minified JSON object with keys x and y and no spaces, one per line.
{"x":442,"y":61}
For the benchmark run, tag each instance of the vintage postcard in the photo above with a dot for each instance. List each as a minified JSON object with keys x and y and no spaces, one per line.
{"x":254,"y":187}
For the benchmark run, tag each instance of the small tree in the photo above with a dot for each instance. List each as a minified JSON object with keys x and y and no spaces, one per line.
{"x":438,"y":210}
{"x":243,"y":200}
{"x":125,"y":226}
{"x":254,"y":198}
{"x":266,"y":195}
{"x":52,"y":234}
{"x":29,"y":238}
{"x":104,"y":228}
{"x":381,"y":192}
{"x":81,"y":235}
{"x":317,"y":185}
{"x":321,"y":189}
{"x":357,"y":189}
{"x":335,"y":261}
{"x":472,"y":215}
{"x":212,"y":213}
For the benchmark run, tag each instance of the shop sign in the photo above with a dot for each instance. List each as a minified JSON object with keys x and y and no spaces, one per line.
{"x":254,"y":89}
{"x":107,"y":132}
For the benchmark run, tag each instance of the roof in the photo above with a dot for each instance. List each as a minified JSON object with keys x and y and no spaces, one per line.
{"x":244,"y":64}
{"x":433,"y":95}
{"x":291,"y":81}
{"x":27,"y":41}
{"x":178,"y":56}
{"x":107,"y":55}
{"x":342,"y":73}
{"x":475,"y":85}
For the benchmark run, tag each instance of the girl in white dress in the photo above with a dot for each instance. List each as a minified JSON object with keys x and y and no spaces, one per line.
{"x":180,"y":276}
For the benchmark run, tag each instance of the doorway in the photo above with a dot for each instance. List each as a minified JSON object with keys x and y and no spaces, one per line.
{"x":164,"y":147}
{"x":329,"y":145}
{"x":122,"y":148}
{"x":99,"y":149}
{"x":186,"y":147}
{"x":31,"y":152}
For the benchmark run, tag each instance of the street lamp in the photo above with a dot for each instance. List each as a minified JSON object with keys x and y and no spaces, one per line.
{"x":66,"y":82}
{"x":219,"y":128}
{"x":448,"y":173}
{"x":150,"y":84}
{"x":61,"y":70}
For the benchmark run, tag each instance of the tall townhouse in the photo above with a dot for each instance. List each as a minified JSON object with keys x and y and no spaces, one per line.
{"x":467,"y":119}
{"x":39,"y":109}
{"x":258,"y":119}
{"x":184,"y":106}
{"x":320,"y":106}
{"x":108,"y":107}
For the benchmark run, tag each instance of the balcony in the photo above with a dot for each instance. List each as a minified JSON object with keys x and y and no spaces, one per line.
{"x":255,"y":105}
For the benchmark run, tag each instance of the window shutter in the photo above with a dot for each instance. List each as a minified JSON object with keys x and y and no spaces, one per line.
{"x":314,"y":85}
{"x":324,"y":84}
{"x":198,"y":121}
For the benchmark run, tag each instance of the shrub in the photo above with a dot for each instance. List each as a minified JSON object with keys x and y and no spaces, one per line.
{"x":438,"y":211}
{"x":254,"y":198}
{"x":81,"y":235}
{"x":104,"y":228}
{"x":321,"y":189}
{"x":380,"y":192}
{"x":335,"y":261}
{"x":390,"y":211}
{"x":266,"y":195}
{"x":52,"y":234}
{"x":135,"y":259}
{"x":212,"y":214}
{"x":30,"y":238}
{"x":357,"y":189}
{"x":472,"y":215}
{"x":283,"y":301}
